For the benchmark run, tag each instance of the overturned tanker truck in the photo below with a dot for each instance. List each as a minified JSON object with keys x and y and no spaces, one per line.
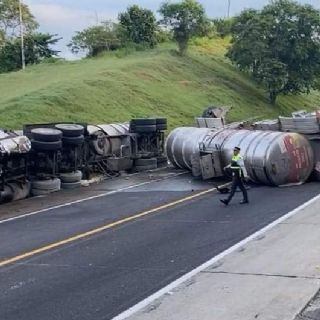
{"x":274,"y":155}
{"x":44,"y":158}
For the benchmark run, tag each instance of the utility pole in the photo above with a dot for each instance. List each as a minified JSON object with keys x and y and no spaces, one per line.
{"x":23,"y":58}
{"x":229,"y":5}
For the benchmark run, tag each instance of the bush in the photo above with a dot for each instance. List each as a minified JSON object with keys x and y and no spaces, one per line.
{"x":52,"y":60}
{"x":223,"y":27}
{"x":163,"y":36}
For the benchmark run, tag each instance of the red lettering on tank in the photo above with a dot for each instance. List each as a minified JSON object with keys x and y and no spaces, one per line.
{"x":298,"y":157}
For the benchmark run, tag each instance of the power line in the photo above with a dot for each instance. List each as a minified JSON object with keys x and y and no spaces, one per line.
{"x":23,"y":58}
{"x":229,"y":5}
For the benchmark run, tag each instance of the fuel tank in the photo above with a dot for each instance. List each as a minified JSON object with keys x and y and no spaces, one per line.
{"x":271,"y":158}
{"x":182,"y":143}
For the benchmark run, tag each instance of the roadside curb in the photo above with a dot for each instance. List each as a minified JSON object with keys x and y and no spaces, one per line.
{"x":187,"y":277}
{"x":312,"y":309}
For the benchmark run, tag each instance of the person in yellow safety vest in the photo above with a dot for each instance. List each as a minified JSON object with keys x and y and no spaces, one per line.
{"x":238,"y":173}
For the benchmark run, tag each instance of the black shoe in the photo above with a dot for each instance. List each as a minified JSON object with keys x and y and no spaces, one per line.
{"x":224,"y":201}
{"x":244,"y":202}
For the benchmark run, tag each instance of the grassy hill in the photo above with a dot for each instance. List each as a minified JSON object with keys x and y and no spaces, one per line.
{"x":118,"y":87}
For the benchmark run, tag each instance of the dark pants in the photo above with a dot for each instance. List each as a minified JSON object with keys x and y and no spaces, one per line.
{"x":237,"y":182}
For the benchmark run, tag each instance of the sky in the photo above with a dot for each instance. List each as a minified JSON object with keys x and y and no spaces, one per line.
{"x":64,"y":17}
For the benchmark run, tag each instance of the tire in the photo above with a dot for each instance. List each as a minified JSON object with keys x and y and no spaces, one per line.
{"x":6,"y":195}
{"x":73,"y":141}
{"x":143,"y":122}
{"x":146,"y":168}
{"x":145,"y":129}
{"x":46,"y":146}
{"x":71,"y":177}
{"x":48,"y":185}
{"x":71,"y":185}
{"x":70,"y":130}
{"x":20,"y":190}
{"x":46,"y":134}
{"x":99,"y":143}
{"x":145,"y":162}
{"x":162,"y":127}
{"x":161,"y":121}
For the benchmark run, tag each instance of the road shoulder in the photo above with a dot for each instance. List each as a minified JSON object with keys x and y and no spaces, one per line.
{"x":274,"y":276}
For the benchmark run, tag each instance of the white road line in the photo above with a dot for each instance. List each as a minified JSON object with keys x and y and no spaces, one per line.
{"x":139,"y":306}
{"x":90,"y":198}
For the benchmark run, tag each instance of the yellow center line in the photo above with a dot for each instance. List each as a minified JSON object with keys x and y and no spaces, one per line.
{"x":101,"y":229}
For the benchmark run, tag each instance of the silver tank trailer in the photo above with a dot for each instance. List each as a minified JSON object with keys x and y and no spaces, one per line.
{"x":182,"y":143}
{"x":272,"y":158}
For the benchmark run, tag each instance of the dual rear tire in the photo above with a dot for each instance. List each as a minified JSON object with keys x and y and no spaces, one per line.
{"x":71,"y":180}
{"x":148,"y":125}
{"x":46,"y":139}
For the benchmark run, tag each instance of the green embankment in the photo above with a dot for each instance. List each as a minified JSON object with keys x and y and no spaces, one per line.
{"x":158,"y":82}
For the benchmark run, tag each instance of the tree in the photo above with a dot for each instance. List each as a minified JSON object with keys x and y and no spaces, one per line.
{"x":10,"y":21}
{"x":223,"y":26}
{"x":279,"y":46}
{"x":187,"y":19}
{"x":94,"y":40}
{"x":37,"y":48}
{"x":2,"y":38}
{"x":139,"y":26}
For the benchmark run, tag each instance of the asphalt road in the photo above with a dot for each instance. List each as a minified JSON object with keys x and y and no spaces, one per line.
{"x":99,"y":275}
